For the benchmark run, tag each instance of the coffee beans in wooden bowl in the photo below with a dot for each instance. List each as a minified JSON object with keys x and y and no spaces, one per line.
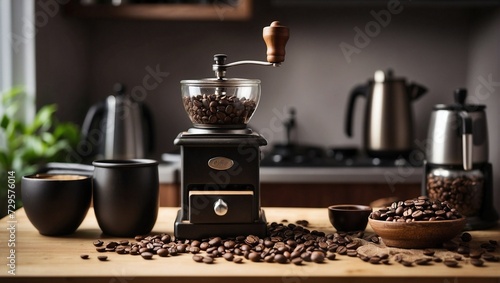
{"x":417,"y":223}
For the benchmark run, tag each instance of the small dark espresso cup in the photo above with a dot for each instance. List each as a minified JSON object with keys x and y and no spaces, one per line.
{"x":56,"y":204}
{"x":126,"y":196}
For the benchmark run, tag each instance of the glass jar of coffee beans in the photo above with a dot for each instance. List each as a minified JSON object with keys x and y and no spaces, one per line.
{"x":462,"y":189}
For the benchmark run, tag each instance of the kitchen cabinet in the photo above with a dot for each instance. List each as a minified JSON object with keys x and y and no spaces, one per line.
{"x":217,"y":11}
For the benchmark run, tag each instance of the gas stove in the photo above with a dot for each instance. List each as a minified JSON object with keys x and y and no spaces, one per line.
{"x":313,"y":156}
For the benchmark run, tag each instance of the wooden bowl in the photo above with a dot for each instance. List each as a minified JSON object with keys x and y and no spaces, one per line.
{"x":418,"y":234}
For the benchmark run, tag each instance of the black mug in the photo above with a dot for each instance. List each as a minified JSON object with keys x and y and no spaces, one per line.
{"x":126,"y":196}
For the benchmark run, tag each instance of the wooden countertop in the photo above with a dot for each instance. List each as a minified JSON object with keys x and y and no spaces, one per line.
{"x":57,"y":259}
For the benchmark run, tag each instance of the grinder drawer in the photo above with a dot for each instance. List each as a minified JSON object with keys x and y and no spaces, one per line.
{"x":220,"y":206}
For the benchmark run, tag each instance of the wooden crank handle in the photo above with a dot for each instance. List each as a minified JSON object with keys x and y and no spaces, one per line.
{"x":275,"y":36}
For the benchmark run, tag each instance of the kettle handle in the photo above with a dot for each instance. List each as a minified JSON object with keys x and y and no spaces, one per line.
{"x":416,"y":90}
{"x":95,"y":113}
{"x":360,"y":90}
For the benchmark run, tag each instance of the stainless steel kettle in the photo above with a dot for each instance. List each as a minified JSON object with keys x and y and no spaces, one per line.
{"x":458,"y":134}
{"x":388,"y":121}
{"x":118,"y":128}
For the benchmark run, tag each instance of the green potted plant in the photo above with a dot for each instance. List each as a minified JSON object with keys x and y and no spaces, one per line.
{"x":24,"y":147}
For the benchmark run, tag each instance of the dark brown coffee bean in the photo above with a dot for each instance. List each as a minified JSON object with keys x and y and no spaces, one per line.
{"x":306,"y":256}
{"x":208,"y":260}
{"x":331,"y":256}
{"x":342,"y":250}
{"x":457,"y":257}
{"x":255,"y":257}
{"x":297,"y":261}
{"x":364,"y":258}
{"x":463,"y":250}
{"x":352,"y":253}
{"x":102,"y":258}
{"x":428,"y":252}
{"x":98,"y":243}
{"x":407,"y":263}
{"x":475,"y":253}
{"x":423,"y":261}
{"x":466,"y":237}
{"x":228,"y":256}
{"x":476,"y":262}
{"x":194,"y":250}
{"x":383,"y":256}
{"x":488,"y":257}
{"x":279,"y":258}
{"x":100,"y":249}
{"x":162,"y":252}
{"x":84,"y":256}
{"x":317,"y":256}
{"x":147,"y":255}
{"x":374,"y":260}
{"x":450,"y":263}
{"x":238,"y":260}
{"x":197,"y":258}
{"x":450,"y":245}
{"x":375,"y":239}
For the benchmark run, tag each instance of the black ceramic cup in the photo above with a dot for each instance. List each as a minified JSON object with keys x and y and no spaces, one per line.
{"x":56,"y":204}
{"x":126,"y":196}
{"x":349,"y":217}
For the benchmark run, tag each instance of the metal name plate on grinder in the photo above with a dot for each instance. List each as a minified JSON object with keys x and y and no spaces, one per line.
{"x":220,"y":163}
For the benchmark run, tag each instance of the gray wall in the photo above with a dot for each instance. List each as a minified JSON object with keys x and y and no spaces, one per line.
{"x":78,"y":60}
{"x":484,"y":83}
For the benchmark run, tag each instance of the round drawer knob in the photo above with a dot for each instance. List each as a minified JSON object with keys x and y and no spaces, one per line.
{"x":220,"y":207}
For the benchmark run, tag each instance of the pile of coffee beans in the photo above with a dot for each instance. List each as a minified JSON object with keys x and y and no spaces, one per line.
{"x":418,"y":209}
{"x":463,"y":192}
{"x":217,"y":109}
{"x":286,"y":243}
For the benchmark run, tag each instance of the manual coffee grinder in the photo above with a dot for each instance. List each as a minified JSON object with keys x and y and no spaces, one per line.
{"x":220,"y":155}
{"x":456,"y":167}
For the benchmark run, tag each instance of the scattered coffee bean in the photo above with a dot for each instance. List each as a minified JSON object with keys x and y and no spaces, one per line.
{"x":437,"y":259}
{"x":208,"y":260}
{"x":255,"y":257}
{"x":317,"y":256}
{"x":102,"y":258}
{"x":238,"y":260}
{"x":450,"y":263}
{"x":407,"y":263}
{"x":279,"y":258}
{"x":428,"y":252}
{"x":457,"y":257}
{"x":197,"y":258}
{"x":297,"y":261}
{"x":101,"y":249}
{"x":352,"y":253}
{"x":98,"y":243}
{"x":162,"y":252}
{"x":374,"y":260}
{"x":476,"y":262}
{"x":84,"y":256}
{"x":466,"y":237}
{"x":147,"y":255}
{"x":423,"y":261}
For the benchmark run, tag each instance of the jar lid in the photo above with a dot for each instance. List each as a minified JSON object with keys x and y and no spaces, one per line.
{"x":213,"y":82}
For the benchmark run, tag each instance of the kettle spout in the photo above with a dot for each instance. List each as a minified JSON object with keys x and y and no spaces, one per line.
{"x":416,"y":91}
